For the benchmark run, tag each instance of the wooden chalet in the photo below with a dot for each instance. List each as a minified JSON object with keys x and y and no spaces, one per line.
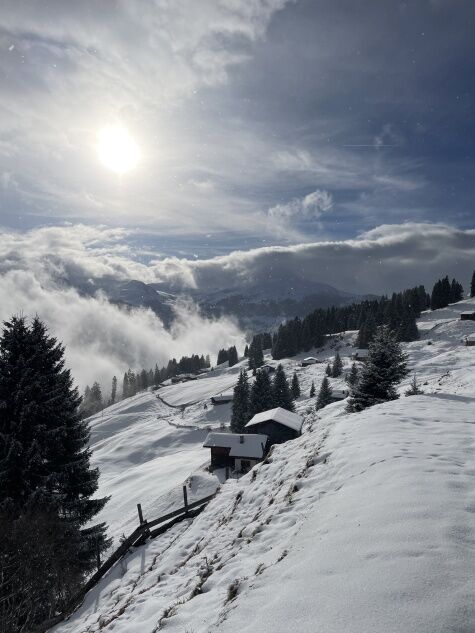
{"x":238,"y":452}
{"x":310,"y":360}
{"x":468,"y":315}
{"x":278,"y":424}
{"x":222,"y":398}
{"x":339,"y":394}
{"x":470,"y":340}
{"x":360,"y":354}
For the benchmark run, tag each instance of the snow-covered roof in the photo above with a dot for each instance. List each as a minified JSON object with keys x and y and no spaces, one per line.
{"x":223,"y":397}
{"x":310,"y":359}
{"x":468,"y":312}
{"x":282,"y":416}
{"x":245,"y":445}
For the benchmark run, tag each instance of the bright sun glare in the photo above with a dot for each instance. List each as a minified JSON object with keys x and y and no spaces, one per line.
{"x":117,"y":150}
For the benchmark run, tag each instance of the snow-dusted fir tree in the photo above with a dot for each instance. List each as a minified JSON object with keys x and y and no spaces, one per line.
{"x":281,"y":393}
{"x":113,"y":390}
{"x":240,"y":411}
{"x":414,"y":388}
{"x":295,"y":387}
{"x":44,"y":454}
{"x":312,"y":390}
{"x":385,"y":367}
{"x":324,"y":395}
{"x":262,"y":397}
{"x":353,"y":375}
{"x":337,"y":366}
{"x":328,"y":370}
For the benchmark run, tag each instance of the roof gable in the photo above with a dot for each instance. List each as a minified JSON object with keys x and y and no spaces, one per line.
{"x":279,"y":415}
{"x":252,"y":444}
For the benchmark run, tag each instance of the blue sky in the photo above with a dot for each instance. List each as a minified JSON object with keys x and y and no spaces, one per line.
{"x":258,"y":123}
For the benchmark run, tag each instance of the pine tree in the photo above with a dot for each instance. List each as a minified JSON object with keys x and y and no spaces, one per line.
{"x":312,"y":390}
{"x":256,"y":356}
{"x":261,"y":398}
{"x":113,"y":390}
{"x":240,"y":410}
{"x":324,"y":395}
{"x":96,"y":397}
{"x":281,"y":393}
{"x":337,"y":366}
{"x":295,"y":388}
{"x":385,"y":367}
{"x":44,"y":454}
{"x":125,"y":386}
{"x":456,"y":291}
{"x":414,"y":388}
{"x":328,"y":370}
{"x":353,"y":375}
{"x":246,"y":351}
{"x":233,"y":356}
{"x":472,"y":285}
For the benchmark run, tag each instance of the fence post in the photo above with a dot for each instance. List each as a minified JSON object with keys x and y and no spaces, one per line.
{"x":139,"y":510}
{"x":185,"y":499}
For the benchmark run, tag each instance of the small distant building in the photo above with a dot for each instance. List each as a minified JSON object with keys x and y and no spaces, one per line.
{"x":310,"y":360}
{"x":269,"y":369}
{"x":223,"y":398}
{"x":278,"y":424}
{"x":339,"y":394}
{"x":470,"y":341}
{"x":468,"y":316}
{"x":239,"y":452}
{"x":360,"y":354}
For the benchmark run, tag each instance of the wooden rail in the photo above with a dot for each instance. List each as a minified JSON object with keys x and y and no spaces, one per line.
{"x":137,"y":537}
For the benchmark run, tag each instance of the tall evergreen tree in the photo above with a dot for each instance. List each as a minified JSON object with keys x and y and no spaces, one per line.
{"x":456,"y":291}
{"x":384,"y":368}
{"x":256,"y":356}
{"x":337,"y":366}
{"x":295,"y":387}
{"x":113,"y":390}
{"x":125,"y":386}
{"x":44,"y":454}
{"x":261,"y":398}
{"x":233,"y":356}
{"x":324,"y":395}
{"x":281,"y":393}
{"x":353,"y":375}
{"x":312,"y":390}
{"x":328,"y":370}
{"x":240,"y":410}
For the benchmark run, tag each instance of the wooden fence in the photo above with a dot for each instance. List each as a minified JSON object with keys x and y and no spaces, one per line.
{"x":137,"y":537}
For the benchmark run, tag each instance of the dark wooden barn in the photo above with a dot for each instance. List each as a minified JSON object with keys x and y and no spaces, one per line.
{"x":468,"y":316}
{"x":278,"y":424}
{"x":238,"y":452}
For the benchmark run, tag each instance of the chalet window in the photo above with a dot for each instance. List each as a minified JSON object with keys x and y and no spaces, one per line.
{"x":245,"y":465}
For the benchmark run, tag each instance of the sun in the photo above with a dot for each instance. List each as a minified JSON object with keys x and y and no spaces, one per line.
{"x":117,"y":149}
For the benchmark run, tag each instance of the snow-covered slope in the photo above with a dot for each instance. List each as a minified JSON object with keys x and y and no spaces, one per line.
{"x":364,"y":524}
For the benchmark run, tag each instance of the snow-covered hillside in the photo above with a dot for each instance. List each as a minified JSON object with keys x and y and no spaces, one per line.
{"x":363,"y":524}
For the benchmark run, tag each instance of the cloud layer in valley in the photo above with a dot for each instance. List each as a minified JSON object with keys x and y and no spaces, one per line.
{"x":54,"y":272}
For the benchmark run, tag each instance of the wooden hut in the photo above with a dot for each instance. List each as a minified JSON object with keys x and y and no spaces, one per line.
{"x":339,"y":394}
{"x":310,"y":360}
{"x":278,"y":424}
{"x":238,"y":452}
{"x":470,"y":341}
{"x":469,"y":315}
{"x":360,"y":354}
{"x":222,"y":398}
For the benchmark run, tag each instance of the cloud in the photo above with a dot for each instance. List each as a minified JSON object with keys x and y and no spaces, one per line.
{"x":54,"y":272}
{"x":281,"y":217}
{"x":44,"y":272}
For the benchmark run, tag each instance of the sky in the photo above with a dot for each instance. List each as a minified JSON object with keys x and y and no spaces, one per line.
{"x":210,"y":144}
{"x":257,"y":121}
